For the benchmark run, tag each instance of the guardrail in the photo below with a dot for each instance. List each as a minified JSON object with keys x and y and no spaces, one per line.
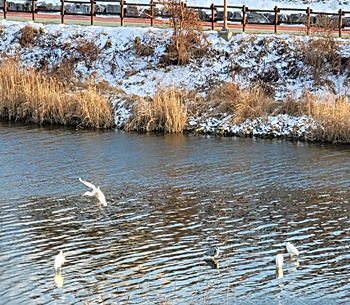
{"x":237,"y":16}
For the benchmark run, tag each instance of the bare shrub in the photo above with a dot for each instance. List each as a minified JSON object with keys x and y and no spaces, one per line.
{"x":165,"y":112}
{"x":188,"y":39}
{"x":325,"y":26}
{"x":29,"y":96}
{"x":321,"y":53}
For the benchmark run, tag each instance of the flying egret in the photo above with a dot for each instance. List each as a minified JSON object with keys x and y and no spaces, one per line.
{"x":59,"y":261}
{"x":95,"y":192}
{"x":213,"y":252}
{"x":291,"y":249}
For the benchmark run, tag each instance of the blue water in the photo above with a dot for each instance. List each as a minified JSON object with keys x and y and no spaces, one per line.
{"x":171,"y":197}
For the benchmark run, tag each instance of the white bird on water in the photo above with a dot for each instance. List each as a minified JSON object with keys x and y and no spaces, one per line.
{"x":279,"y":264}
{"x":279,"y":261}
{"x":291,"y":249}
{"x":96,"y":191}
{"x":59,"y":261}
{"x":213,"y":252}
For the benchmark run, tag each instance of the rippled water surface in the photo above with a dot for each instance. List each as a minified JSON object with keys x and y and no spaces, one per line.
{"x":170,"y":198}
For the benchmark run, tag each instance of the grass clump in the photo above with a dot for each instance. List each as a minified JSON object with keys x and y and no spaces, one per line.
{"x":165,"y":112}
{"x":245,"y":103}
{"x":29,"y":96}
{"x":27,"y":35}
{"x":332,"y":115}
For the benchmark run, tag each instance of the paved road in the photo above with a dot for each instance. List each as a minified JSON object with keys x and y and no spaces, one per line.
{"x":115,"y":21}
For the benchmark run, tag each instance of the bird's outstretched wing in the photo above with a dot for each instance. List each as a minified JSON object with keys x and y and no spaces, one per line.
{"x":88,"y":184}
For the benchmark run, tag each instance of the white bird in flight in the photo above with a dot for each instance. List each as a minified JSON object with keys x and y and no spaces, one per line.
{"x":59,"y":261}
{"x":291,"y":249}
{"x":213,"y":251}
{"x":96,"y":191}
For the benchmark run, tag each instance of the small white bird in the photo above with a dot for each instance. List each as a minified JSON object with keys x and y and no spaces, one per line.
{"x":213,"y":252}
{"x":279,"y":261}
{"x":96,"y":191}
{"x":59,"y":261}
{"x":291,"y":249}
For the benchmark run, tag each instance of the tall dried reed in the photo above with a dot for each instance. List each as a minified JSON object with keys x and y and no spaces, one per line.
{"x":332,"y":114}
{"x":165,"y":112}
{"x":32,"y":97}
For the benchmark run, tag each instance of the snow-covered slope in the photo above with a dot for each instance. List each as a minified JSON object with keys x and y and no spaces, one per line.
{"x":275,"y":59}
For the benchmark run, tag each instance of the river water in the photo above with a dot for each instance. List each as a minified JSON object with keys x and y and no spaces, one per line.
{"x":170,"y":198}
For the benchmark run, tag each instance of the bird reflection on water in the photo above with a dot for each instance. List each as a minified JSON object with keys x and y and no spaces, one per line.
{"x":213,"y":263}
{"x":59,"y":279}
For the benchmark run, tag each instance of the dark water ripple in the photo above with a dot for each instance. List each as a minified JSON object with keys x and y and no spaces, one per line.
{"x":170,"y":198}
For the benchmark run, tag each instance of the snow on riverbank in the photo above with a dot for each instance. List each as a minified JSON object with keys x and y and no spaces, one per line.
{"x":243,"y":59}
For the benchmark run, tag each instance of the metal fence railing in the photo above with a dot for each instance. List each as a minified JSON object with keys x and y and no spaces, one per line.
{"x":239,"y":17}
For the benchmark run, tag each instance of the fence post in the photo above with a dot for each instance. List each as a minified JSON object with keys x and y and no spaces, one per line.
{"x":92,"y":12}
{"x":276,"y":18}
{"x":308,"y":20}
{"x":121,"y":12}
{"x":62,"y":11}
{"x":33,"y":10}
{"x":212,"y":16}
{"x":244,"y":18}
{"x":340,"y":22}
{"x":152,"y":13}
{"x":5,"y":9}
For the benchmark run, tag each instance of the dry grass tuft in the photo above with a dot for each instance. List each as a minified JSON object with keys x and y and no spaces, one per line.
{"x":28,"y":96}
{"x":332,"y":114}
{"x":143,"y":49}
{"x":224,"y":97}
{"x":253,"y":102}
{"x":27,"y":35}
{"x":245,"y":103}
{"x":165,"y":112}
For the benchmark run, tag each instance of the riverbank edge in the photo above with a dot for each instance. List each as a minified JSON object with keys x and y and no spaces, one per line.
{"x":283,"y":126}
